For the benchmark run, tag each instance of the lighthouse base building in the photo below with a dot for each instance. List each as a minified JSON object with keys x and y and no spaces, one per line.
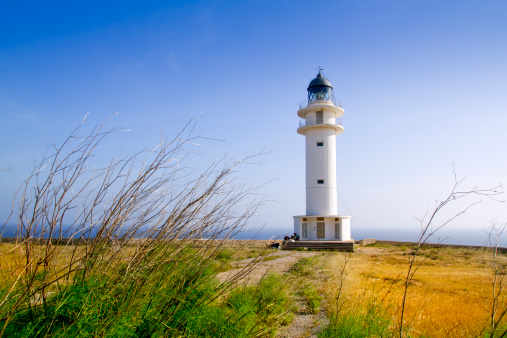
{"x":322,"y":227}
{"x":320,"y":123}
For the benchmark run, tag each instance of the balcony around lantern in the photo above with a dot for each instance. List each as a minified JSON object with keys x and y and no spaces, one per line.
{"x":332,"y":102}
{"x":304,"y":125}
{"x":322,"y":105}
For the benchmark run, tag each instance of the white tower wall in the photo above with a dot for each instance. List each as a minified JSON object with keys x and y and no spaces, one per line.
{"x":345,"y":229}
{"x":321,"y":199}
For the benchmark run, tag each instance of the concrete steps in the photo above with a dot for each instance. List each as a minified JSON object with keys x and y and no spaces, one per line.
{"x":319,"y":245}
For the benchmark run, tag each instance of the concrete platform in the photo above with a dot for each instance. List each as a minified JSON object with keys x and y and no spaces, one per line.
{"x":319,"y":245}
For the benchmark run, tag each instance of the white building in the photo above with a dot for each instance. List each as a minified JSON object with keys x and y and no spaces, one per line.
{"x":320,"y":124}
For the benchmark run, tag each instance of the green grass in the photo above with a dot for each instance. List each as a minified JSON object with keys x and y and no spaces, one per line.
{"x":365,"y":318}
{"x":178,"y":297}
{"x":312,"y":297}
{"x":270,"y":302}
{"x":379,"y":245}
{"x":304,"y":267}
{"x":225,"y":255}
{"x":270,"y":258}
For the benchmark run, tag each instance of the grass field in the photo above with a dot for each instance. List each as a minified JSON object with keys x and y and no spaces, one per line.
{"x":162,"y":289}
{"x":451,"y":294}
{"x":454,"y":292}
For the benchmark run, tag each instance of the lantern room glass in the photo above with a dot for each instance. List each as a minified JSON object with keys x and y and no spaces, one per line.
{"x":320,"y":93}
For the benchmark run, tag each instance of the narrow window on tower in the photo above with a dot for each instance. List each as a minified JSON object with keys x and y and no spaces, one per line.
{"x":320,"y":181}
{"x":320,"y":144}
{"x":320,"y":117}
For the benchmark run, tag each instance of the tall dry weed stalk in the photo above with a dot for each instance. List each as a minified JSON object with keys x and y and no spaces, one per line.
{"x":429,"y":229}
{"x":495,"y":268}
{"x":120,"y":225}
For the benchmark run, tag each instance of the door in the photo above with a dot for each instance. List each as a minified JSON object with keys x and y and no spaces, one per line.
{"x":337,"y":231}
{"x":321,"y":230}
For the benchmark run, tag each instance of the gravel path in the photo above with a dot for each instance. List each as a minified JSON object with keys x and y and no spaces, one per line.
{"x":304,"y":324}
{"x":280,"y":265}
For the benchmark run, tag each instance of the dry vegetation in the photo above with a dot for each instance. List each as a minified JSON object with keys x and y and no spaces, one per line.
{"x":450,"y":296}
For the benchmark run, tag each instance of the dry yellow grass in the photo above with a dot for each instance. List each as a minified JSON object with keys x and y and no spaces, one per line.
{"x":450,"y":295}
{"x":13,"y":256}
{"x":13,"y":261}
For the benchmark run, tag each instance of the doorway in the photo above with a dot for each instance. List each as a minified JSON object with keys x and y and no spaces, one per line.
{"x":337,"y":231}
{"x":321,"y":230}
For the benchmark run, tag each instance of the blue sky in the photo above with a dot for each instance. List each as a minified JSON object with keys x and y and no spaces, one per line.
{"x":423,"y":85}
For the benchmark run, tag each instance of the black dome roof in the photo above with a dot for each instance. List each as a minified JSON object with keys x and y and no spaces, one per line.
{"x":319,"y":81}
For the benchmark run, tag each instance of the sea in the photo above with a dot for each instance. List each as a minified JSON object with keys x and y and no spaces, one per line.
{"x":473,"y":237}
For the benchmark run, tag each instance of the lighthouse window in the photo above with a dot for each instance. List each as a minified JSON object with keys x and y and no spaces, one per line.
{"x":320,"y":144}
{"x":320,"y":117}
{"x":320,"y":181}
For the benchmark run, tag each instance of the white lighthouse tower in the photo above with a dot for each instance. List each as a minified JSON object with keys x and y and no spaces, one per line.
{"x":320,"y":124}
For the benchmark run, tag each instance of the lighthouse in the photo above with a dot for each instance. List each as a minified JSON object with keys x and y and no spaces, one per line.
{"x":320,"y":123}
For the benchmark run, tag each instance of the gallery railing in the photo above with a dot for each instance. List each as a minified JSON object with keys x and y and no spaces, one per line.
{"x":303,"y":122}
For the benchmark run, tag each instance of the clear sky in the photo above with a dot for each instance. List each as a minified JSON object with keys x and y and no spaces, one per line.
{"x":423,"y":84}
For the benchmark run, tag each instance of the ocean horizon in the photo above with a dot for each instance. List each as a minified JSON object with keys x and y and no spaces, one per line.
{"x":474,"y":237}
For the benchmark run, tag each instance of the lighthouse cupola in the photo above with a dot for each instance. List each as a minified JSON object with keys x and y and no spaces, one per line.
{"x":320,"y":89}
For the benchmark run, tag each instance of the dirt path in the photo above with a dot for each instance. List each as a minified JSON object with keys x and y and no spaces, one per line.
{"x":304,"y":324}
{"x":279,"y":265}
